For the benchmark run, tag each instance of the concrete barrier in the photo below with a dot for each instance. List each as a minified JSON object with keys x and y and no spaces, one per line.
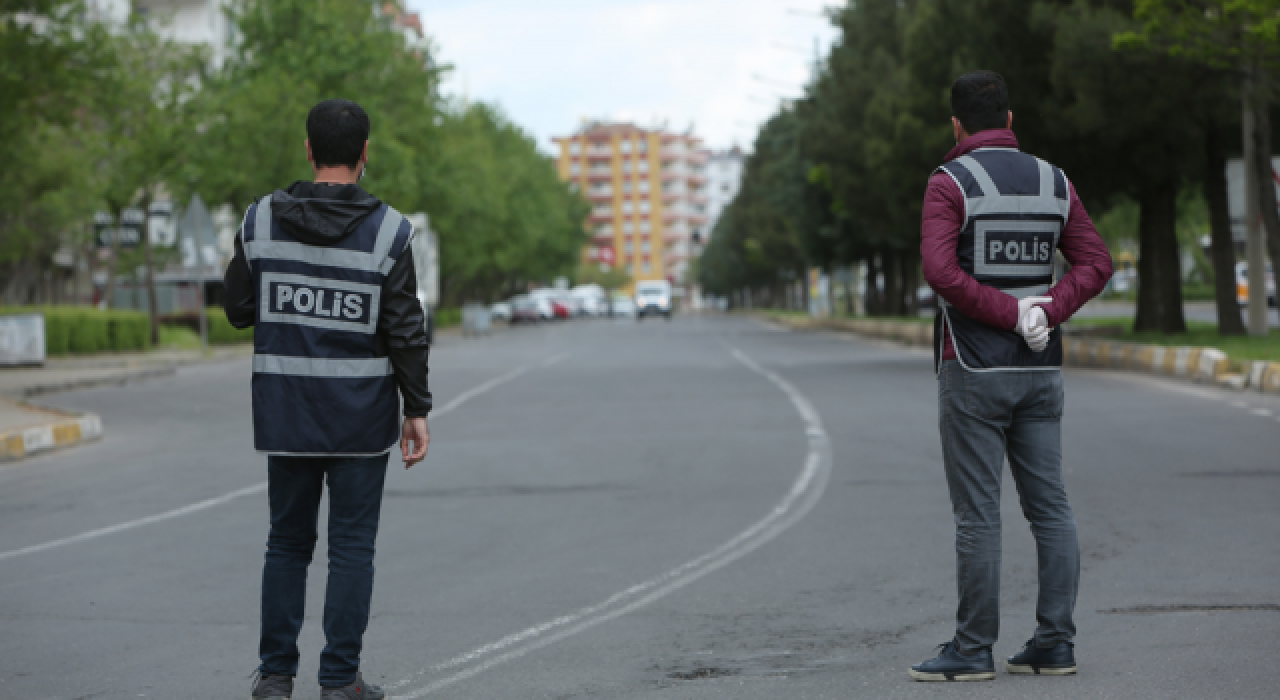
{"x":24,"y":442}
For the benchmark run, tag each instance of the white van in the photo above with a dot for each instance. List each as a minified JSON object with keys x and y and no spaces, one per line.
{"x":653,"y":297}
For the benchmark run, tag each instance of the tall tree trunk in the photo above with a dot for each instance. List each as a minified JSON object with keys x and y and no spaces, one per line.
{"x":875,"y":275}
{"x":893,"y":283}
{"x":911,"y":276}
{"x":1159,"y":270}
{"x":113,"y":255}
{"x":1222,"y":248}
{"x":152,"y":297}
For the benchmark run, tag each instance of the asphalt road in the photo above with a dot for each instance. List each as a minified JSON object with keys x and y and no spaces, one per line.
{"x":706,"y":508}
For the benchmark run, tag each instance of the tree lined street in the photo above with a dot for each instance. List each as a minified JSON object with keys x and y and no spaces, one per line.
{"x":653,"y":511}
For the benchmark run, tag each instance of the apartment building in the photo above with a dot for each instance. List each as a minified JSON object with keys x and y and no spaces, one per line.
{"x":724,"y":179}
{"x":647,"y":191}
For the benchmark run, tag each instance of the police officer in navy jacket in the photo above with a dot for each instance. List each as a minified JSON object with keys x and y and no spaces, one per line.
{"x":993,"y":219}
{"x":323,"y":273}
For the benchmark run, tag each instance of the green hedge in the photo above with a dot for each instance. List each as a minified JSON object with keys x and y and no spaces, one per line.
{"x":79,"y":330}
{"x":448,"y":318}
{"x":221,"y":332}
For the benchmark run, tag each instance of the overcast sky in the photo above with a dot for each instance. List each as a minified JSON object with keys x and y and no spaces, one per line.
{"x":719,"y":65}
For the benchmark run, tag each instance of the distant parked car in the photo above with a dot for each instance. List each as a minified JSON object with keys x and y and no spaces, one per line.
{"x":553,"y":305}
{"x":593,"y":298}
{"x":1242,"y":284}
{"x":623,"y":307}
{"x":525,"y":310}
{"x":500,"y":311}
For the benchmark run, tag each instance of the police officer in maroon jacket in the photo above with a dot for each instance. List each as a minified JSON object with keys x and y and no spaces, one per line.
{"x":993,"y":219}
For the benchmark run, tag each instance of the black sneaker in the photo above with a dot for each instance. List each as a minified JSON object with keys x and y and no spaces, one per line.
{"x":1058,"y":660}
{"x":356,"y":691}
{"x":272,"y":688}
{"x":951,"y":665}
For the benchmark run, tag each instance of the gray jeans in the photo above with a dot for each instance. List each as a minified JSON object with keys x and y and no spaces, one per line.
{"x":982,"y":417}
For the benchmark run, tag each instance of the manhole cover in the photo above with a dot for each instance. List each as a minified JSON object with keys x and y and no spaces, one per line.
{"x":702,"y":672}
{"x":1161,"y":609}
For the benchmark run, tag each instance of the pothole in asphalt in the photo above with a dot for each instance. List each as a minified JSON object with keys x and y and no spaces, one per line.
{"x":1234,"y":473}
{"x":1165,"y":609}
{"x":763,"y":664}
{"x":702,"y":672}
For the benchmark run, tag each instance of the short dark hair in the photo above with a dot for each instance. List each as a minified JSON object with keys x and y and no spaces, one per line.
{"x":337,"y":130}
{"x":980,"y":100}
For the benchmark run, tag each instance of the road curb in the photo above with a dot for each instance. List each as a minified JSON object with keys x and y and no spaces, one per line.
{"x":116,"y":379}
{"x":1197,"y":364}
{"x":63,"y":431}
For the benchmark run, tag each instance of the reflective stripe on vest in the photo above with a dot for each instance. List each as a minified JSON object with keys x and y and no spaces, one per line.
{"x":318,"y":367}
{"x":1010,"y":234}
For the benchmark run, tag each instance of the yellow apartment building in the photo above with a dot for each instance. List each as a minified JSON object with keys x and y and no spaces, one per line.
{"x":647,"y":189}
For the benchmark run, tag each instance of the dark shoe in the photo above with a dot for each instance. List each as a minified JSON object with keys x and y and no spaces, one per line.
{"x":272,"y":688}
{"x":1059,"y":660}
{"x":356,"y":691}
{"x":951,"y":665}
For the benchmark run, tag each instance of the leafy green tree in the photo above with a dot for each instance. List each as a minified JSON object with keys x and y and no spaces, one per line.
{"x":142,"y":109}
{"x":52,"y":60}
{"x":502,"y":214}
{"x":1236,"y":36}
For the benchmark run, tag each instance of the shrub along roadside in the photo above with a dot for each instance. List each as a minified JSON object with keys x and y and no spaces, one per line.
{"x":77,"y":330}
{"x":221,"y":332}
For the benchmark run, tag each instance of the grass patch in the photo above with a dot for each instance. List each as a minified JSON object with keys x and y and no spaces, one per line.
{"x":178,"y":338}
{"x":1240,"y":348}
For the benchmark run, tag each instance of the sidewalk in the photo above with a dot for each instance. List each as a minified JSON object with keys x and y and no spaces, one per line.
{"x":25,"y":429}
{"x":66,"y":373}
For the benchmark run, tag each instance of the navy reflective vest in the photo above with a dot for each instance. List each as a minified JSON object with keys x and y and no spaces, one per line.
{"x":322,"y":384}
{"x":1016,"y":206}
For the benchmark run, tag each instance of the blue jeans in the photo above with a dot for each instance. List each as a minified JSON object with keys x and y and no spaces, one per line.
{"x":984,"y":417}
{"x":295,"y":485}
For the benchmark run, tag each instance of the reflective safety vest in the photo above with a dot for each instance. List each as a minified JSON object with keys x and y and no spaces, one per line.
{"x":322,"y":383}
{"x":1016,"y":206}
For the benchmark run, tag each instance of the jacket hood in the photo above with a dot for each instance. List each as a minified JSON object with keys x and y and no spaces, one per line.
{"x":319,"y":213}
{"x":991,"y":138}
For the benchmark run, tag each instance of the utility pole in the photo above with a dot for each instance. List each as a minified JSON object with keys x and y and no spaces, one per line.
{"x":1255,"y":245}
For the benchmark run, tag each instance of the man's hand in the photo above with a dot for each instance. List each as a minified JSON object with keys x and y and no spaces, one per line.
{"x":1033,"y":325}
{"x":415,"y":431}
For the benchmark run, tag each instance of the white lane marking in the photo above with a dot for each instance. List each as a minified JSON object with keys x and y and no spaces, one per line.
{"x":1261,"y":412}
{"x":804,"y":494}
{"x":150,"y":519}
{"x":248,"y":490}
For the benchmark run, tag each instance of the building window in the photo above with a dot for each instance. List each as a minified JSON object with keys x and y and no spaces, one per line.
{"x":644,"y":186}
{"x":575,"y":148}
{"x":628,"y":248}
{"x":626,"y":147}
{"x":626,"y":166}
{"x":627,"y":227}
{"x":642,"y":166}
{"x":626,"y":186}
{"x":644,"y":247}
{"x":644,"y":207}
{"x":647,"y":267}
{"x":626,"y":207}
{"x":575,"y":169}
{"x":644,"y":226}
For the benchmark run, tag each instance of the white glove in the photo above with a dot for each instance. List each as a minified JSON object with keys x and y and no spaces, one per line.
{"x":1033,"y":325}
